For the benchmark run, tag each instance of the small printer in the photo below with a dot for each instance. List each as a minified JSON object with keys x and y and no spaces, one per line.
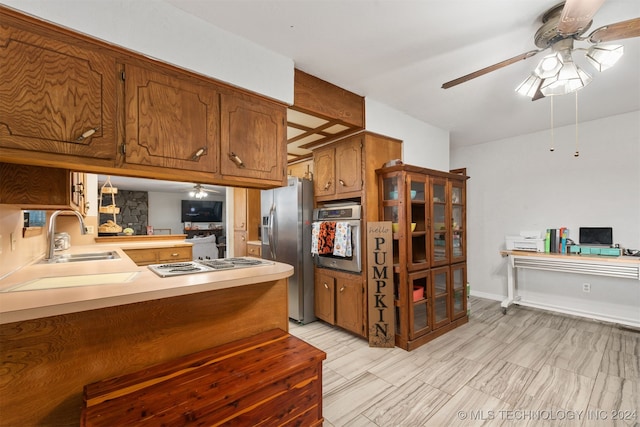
{"x":526,"y":241}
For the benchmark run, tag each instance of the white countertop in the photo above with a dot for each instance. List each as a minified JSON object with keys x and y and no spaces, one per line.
{"x":31,"y":304}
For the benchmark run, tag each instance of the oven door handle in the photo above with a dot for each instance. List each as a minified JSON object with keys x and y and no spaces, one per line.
{"x":272,"y":246}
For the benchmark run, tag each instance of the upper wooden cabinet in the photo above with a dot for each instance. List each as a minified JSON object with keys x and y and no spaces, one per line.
{"x":253,"y":141}
{"x":55,"y":96}
{"x":171,"y":122}
{"x":37,"y":187}
{"x":338,"y":169}
{"x":74,"y":102}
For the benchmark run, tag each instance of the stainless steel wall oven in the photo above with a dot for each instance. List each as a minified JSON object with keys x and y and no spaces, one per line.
{"x":348,"y":214}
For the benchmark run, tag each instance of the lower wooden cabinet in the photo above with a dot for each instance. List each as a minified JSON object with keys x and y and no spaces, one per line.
{"x":254,"y":249}
{"x":339,"y":299}
{"x":148,"y":256}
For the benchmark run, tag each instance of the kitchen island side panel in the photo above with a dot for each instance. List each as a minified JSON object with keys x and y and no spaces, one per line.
{"x":46,"y":362}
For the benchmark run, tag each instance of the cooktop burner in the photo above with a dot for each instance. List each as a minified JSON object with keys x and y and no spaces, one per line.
{"x":204,"y":266}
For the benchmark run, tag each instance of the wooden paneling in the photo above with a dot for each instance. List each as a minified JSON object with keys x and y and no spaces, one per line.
{"x":46,"y":362}
{"x":316,"y":96}
{"x":271,"y":378}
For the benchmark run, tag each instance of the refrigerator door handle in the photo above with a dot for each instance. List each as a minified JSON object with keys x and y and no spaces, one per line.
{"x":272,"y":248}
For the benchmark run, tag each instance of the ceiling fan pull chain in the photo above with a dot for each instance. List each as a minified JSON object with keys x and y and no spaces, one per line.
{"x":553,"y":143}
{"x":577,"y":153}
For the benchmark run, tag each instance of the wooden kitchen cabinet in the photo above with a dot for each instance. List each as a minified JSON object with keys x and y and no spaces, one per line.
{"x":427,"y":208}
{"x":254,"y":249}
{"x":57,"y":96}
{"x":146,"y":256}
{"x":246,"y":218}
{"x":252,"y":140}
{"x":37,"y":187}
{"x":338,"y":169}
{"x":339,"y":299}
{"x":171,"y":121}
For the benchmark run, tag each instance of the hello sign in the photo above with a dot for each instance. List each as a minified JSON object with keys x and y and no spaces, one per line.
{"x":380,"y":284}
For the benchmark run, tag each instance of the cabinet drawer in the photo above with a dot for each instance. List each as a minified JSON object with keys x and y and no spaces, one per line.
{"x":148,"y":256}
{"x":182,"y":253}
{"x":254,"y":250}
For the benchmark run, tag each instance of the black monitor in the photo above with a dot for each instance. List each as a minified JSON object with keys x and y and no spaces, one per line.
{"x":596,"y":235}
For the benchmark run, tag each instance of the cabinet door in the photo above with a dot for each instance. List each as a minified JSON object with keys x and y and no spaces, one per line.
{"x":419,"y":304}
{"x":240,"y":209}
{"x":349,"y":304}
{"x":253,"y":140}
{"x":416,"y":199}
{"x":440,"y":223}
{"x":324,"y":292}
{"x":239,"y":243}
{"x":348,"y":158}
{"x":458,"y":291}
{"x":458,"y":222}
{"x":440,"y":294}
{"x":324,"y":166}
{"x":56,"y":97}
{"x":171,"y":122}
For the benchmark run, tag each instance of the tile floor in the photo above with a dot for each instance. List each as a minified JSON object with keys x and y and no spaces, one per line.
{"x":528,"y":367}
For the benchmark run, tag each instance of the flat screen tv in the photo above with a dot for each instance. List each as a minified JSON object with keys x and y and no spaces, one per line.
{"x":596,"y":235}
{"x":202,"y":211}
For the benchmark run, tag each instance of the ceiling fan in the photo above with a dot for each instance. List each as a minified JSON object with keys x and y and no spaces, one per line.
{"x":561,"y":26}
{"x":199,"y":192}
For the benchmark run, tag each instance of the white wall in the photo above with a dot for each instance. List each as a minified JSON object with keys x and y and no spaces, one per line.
{"x":423,"y":145}
{"x":163,"y":31}
{"x":165,"y":210}
{"x":518,"y":184}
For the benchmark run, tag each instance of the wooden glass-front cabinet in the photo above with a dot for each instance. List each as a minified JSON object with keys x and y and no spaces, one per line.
{"x":427,"y":211}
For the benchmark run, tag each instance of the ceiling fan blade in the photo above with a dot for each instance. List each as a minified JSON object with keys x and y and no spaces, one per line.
{"x":576,"y":15}
{"x":490,"y":68}
{"x":617,"y":31}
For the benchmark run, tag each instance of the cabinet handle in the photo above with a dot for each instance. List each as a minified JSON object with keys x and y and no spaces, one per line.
{"x":199,"y":153}
{"x":342,"y":289}
{"x":325,"y":285}
{"x":237,"y":160}
{"x":86,"y":134}
{"x":341,"y":182}
{"x":327,"y":185}
{"x":174,"y":254}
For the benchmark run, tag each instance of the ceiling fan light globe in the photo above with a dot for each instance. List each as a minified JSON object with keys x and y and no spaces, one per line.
{"x":529,"y":86}
{"x":604,"y":57}
{"x":570,"y":79}
{"x":549,"y":66}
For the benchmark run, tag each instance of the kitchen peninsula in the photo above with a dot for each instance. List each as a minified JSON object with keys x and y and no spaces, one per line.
{"x":54,"y":341}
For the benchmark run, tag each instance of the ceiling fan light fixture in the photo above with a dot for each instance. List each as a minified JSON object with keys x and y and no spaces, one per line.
{"x":549,"y":66}
{"x":603,"y":57}
{"x":530,"y":86}
{"x":569,"y":79}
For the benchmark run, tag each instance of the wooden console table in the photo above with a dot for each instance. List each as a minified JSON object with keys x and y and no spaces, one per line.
{"x":626,"y":267}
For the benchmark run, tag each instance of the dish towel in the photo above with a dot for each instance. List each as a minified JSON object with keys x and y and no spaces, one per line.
{"x":315,"y":232}
{"x":342,"y":243}
{"x":326,"y":236}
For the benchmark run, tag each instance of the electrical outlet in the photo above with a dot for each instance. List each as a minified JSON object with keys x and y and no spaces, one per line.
{"x":90,"y":229}
{"x":586,"y":287}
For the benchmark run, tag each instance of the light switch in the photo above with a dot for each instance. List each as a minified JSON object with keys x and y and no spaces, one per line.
{"x":12,"y":237}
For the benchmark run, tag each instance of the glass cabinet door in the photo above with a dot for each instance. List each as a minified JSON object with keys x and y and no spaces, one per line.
{"x":458,"y":221}
{"x":440,"y":228}
{"x":419,"y":310}
{"x":417,"y":223}
{"x":459,"y":290}
{"x":440,"y":296}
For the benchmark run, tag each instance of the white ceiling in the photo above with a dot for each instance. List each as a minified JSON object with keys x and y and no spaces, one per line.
{"x":399,"y":52}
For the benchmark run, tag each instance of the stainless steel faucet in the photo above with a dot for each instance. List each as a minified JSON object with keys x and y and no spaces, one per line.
{"x":52,"y":229}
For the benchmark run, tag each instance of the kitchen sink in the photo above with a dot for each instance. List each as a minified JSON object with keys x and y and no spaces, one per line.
{"x":87,"y":256}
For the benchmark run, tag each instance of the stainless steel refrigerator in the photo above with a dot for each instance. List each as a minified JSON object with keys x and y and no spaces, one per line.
{"x":286,"y":237}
